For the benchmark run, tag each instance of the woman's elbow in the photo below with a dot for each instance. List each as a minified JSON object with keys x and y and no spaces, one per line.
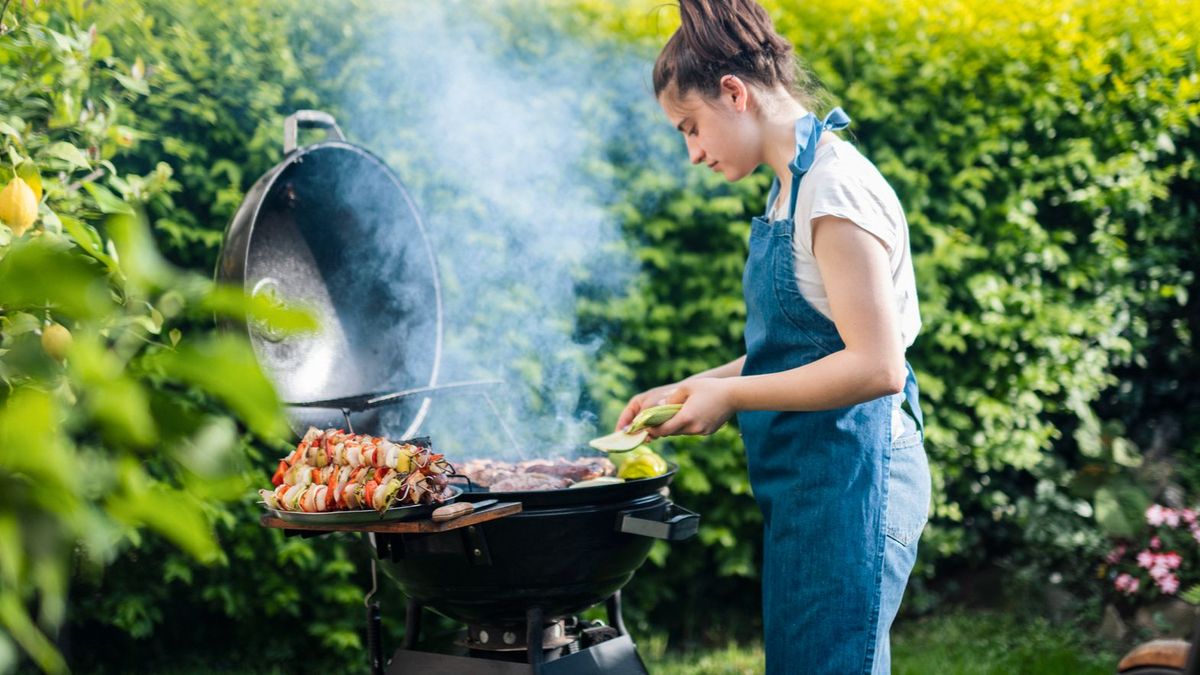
{"x":891,"y":378}
{"x":880,"y":374}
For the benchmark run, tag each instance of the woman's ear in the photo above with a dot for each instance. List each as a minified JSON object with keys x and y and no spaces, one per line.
{"x":735,"y":92}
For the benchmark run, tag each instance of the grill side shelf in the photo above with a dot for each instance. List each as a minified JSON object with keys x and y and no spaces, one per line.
{"x":426,"y":526}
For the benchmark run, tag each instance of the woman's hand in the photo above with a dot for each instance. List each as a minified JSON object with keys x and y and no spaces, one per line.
{"x":650,"y":397}
{"x":707,"y":404}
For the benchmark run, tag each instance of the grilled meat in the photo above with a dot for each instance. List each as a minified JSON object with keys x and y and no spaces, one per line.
{"x":554,"y":474}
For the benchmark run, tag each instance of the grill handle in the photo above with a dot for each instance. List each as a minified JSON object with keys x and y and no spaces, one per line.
{"x":308,"y":119}
{"x":677,"y":524}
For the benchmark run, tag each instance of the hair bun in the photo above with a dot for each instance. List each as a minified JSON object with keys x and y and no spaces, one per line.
{"x":718,"y":37}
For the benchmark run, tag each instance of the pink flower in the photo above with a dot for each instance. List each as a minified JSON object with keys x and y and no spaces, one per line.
{"x":1196,"y":533}
{"x":1155,"y":543}
{"x":1145,"y":559}
{"x":1169,"y":584}
{"x":1170,"y":560}
{"x":1126,"y":584}
{"x":1171,"y":516}
{"x":1115,"y":554}
{"x":1158,"y":572}
{"x":1154,"y":515}
{"x":1134,"y":582}
{"x":1189,"y":516}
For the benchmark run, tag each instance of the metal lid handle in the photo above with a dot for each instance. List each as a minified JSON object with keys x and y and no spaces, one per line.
{"x":308,"y":119}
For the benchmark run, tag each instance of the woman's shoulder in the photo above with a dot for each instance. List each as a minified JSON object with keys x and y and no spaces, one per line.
{"x":842,"y":160}
{"x":844,"y":183}
{"x":843,"y":172}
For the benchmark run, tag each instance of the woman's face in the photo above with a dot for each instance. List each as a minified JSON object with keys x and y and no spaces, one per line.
{"x":720,"y":133}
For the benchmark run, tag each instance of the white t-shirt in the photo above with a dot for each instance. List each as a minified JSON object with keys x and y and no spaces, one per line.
{"x":844,"y":183}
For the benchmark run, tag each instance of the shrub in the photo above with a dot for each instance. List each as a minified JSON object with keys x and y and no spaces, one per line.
{"x":119,"y":408}
{"x":1046,"y":159}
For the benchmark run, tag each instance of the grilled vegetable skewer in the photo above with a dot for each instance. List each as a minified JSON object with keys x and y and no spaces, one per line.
{"x":331,"y":470}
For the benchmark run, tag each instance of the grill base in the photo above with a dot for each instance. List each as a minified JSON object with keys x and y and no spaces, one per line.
{"x":542,"y":647}
{"x":618,"y":655}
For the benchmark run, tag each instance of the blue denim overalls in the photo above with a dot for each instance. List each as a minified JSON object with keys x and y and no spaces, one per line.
{"x":843,"y":502}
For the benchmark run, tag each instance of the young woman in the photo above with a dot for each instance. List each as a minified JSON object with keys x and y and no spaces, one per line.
{"x":826,"y":404}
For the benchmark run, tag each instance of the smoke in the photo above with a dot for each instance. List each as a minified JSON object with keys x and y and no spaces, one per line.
{"x":500,"y":121}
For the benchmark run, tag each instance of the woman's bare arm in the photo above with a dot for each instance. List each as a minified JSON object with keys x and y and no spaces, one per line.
{"x":857,"y":276}
{"x":855,"y":270}
{"x":731,"y":369}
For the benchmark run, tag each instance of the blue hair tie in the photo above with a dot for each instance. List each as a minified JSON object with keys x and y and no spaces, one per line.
{"x":808,"y":134}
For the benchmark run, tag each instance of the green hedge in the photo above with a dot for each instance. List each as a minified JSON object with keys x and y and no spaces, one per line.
{"x":119,"y":399}
{"x":1046,"y":157}
{"x":220,"y":80}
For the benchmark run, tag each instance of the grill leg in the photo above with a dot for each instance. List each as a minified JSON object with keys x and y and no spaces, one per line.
{"x":375,"y":638}
{"x":535,"y":629}
{"x":412,"y":623}
{"x":374,"y":626}
{"x":614,"y":613}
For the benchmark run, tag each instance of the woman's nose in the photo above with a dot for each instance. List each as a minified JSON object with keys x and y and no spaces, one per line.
{"x":694,"y":152}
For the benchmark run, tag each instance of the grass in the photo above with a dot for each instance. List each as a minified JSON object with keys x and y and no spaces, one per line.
{"x":959,"y":643}
{"x":955,"y":643}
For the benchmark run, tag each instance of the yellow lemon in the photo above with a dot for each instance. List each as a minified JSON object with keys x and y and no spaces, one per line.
{"x":28,"y":172}
{"x":647,"y":464}
{"x":56,"y":341}
{"x":18,"y":206}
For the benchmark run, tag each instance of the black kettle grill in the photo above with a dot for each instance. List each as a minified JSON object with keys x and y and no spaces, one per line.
{"x":332,"y":228}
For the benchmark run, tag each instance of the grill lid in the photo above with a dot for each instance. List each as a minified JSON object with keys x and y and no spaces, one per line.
{"x":333,"y":229}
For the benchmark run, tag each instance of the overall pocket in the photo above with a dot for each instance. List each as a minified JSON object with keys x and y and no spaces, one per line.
{"x":908,"y":486}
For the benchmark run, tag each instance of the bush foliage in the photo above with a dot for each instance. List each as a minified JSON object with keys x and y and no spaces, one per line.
{"x":1046,"y":155}
{"x":117,"y":425}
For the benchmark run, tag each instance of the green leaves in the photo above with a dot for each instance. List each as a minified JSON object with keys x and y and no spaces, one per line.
{"x":233,"y":303}
{"x":68,"y":153}
{"x":43,"y":274}
{"x":33,"y":453}
{"x":144,"y":268}
{"x":106,"y":201}
{"x":1047,"y":160}
{"x":121,"y":403}
{"x":1191,"y":595}
{"x":225,"y":367}
{"x":141,"y":501}
{"x":1120,"y":510}
{"x":36,"y":463}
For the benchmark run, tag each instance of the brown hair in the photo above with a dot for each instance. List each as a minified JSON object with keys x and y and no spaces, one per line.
{"x":725,"y":37}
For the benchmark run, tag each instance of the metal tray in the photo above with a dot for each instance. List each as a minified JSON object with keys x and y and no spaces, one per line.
{"x":396,"y":513}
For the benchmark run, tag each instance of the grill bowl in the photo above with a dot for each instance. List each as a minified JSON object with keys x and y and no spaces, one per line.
{"x":564,"y":552}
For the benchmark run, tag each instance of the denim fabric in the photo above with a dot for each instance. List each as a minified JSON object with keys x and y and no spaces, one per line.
{"x":843,"y":502}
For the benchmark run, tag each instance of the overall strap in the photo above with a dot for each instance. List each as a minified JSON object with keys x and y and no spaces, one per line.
{"x":771,"y":198}
{"x":808,"y":134}
{"x":910,"y":397}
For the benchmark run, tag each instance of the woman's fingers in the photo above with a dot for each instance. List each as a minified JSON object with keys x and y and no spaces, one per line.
{"x":651,"y":397}
{"x":680,"y":420}
{"x":707,"y":404}
{"x":672,"y":426}
{"x":631,"y":410}
{"x":678,"y":395}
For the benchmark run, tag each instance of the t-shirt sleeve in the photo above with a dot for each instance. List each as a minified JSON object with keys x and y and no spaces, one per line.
{"x":844,"y":194}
